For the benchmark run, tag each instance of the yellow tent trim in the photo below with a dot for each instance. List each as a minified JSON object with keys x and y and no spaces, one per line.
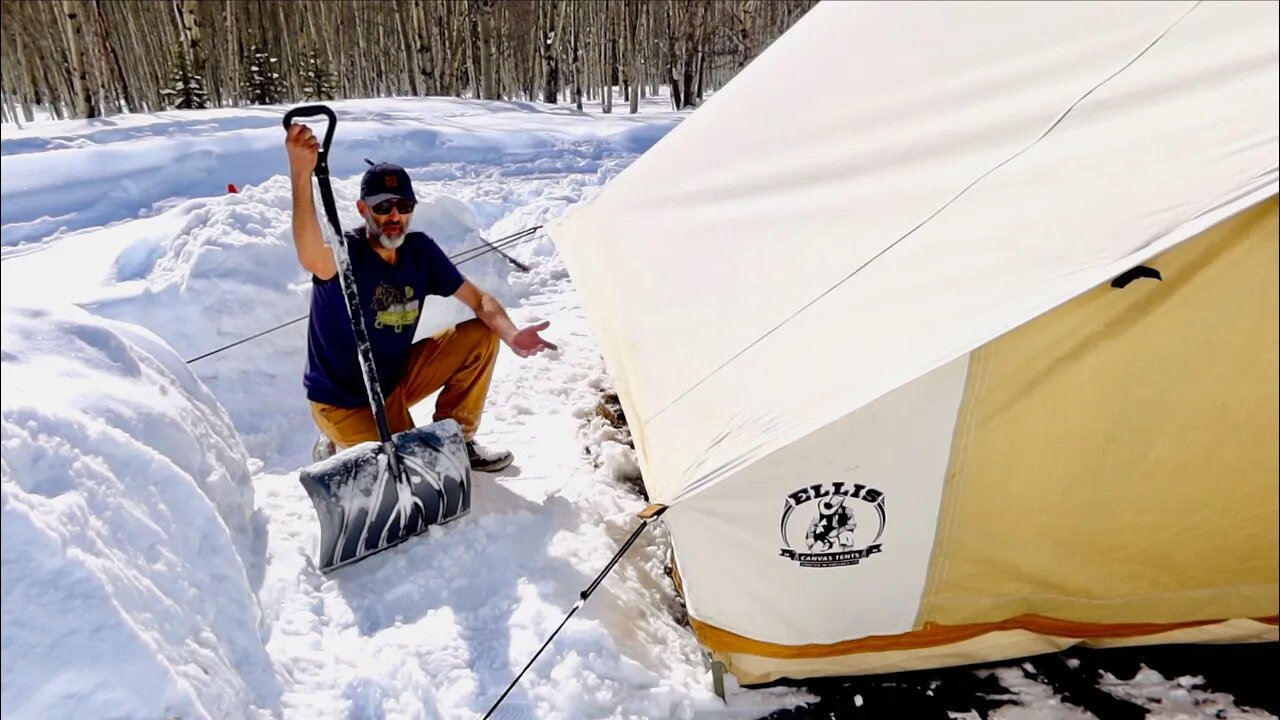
{"x":933,"y":635}
{"x":1001,"y":645}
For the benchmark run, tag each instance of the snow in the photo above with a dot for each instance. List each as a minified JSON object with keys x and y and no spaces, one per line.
{"x":131,"y":545}
{"x":1033,"y":699}
{"x":1176,"y":698}
{"x":157,"y":546}
{"x":1163,"y":699}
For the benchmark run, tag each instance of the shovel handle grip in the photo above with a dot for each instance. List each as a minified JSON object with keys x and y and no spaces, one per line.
{"x":312,"y":111}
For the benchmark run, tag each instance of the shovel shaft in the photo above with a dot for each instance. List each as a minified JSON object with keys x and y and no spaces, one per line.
{"x":346,"y":276}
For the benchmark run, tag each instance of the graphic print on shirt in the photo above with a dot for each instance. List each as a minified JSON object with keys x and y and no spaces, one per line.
{"x":394,"y":308}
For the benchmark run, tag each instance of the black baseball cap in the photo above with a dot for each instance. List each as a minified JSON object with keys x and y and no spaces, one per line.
{"x":385,"y":181}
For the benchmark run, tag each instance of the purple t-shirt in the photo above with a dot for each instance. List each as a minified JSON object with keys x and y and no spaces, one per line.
{"x":391,"y":299}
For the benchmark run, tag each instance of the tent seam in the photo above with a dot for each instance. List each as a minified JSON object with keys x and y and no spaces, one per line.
{"x":981,"y":365}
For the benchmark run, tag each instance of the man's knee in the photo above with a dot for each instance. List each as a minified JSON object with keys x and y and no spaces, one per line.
{"x":476,"y":334}
{"x":344,"y":426}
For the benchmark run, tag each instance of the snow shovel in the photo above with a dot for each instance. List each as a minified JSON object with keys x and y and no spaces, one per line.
{"x":375,"y":495}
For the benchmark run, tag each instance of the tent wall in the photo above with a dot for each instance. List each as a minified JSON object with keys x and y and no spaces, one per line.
{"x":1112,"y":479}
{"x":1116,"y":461}
{"x":743,"y":549}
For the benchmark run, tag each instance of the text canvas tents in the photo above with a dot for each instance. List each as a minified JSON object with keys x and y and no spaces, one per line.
{"x":948,"y":333}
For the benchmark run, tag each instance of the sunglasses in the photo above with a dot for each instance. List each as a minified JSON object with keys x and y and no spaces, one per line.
{"x":403,"y":205}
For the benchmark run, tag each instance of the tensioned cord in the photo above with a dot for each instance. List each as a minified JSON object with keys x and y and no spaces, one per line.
{"x":459,"y":258}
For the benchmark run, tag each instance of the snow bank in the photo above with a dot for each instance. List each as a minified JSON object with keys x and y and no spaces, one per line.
{"x":130,"y":546}
{"x":75,"y":174}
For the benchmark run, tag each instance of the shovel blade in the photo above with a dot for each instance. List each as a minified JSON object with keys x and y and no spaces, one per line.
{"x":363,"y":510}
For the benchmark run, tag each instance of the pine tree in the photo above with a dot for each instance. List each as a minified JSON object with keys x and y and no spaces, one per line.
{"x":317,"y":80}
{"x":263,"y":85}
{"x":186,"y":89}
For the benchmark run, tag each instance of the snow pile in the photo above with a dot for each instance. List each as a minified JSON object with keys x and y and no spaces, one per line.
{"x":130,"y":547}
{"x":70,"y":175}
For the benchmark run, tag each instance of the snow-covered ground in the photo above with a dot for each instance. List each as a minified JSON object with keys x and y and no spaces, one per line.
{"x":156,"y":541}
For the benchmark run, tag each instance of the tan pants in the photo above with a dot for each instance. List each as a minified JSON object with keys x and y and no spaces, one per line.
{"x":459,"y":359}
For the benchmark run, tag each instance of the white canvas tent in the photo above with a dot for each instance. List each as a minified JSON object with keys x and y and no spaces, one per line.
{"x":885,"y":319}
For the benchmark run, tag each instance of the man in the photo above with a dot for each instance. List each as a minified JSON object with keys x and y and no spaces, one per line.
{"x":394,"y":269}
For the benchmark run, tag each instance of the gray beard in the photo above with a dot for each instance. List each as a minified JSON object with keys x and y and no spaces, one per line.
{"x":371,"y":228}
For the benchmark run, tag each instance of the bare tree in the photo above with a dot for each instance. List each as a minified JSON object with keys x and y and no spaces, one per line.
{"x":552,"y":19}
{"x":744,"y":12}
{"x":607,"y":62}
{"x":485,"y":49}
{"x":83,"y":87}
{"x":575,"y":58}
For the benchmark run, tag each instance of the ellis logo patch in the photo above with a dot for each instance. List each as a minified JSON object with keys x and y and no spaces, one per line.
{"x":821,"y":524}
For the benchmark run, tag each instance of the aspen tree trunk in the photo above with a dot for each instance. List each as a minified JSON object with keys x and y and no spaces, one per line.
{"x":100,"y":82}
{"x":576,"y":60}
{"x":14,"y":74}
{"x":82,"y":88}
{"x":450,"y":34}
{"x":745,"y":12}
{"x":483,"y":49}
{"x":11,"y":112}
{"x":653,"y":55}
{"x":231,"y":58}
{"x":694,"y":59}
{"x":606,"y":68}
{"x":126,"y":97}
{"x":191,"y":39}
{"x":551,"y":45}
{"x":473,"y":49}
{"x":289,"y":56}
{"x":675,"y":54}
{"x":406,"y":23}
{"x":421,"y":52}
{"x":634,"y":16}
{"x":30,"y":95}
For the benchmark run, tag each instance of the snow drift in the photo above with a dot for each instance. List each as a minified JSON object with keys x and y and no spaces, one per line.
{"x":130,"y":546}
